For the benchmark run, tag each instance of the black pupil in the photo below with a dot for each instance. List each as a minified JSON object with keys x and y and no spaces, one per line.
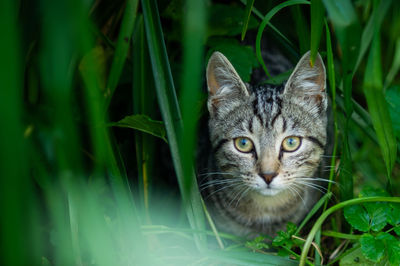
{"x":291,"y":141}
{"x":243,"y":142}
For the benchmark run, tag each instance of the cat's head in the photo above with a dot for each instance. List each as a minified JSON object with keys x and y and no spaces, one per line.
{"x":270,"y":139}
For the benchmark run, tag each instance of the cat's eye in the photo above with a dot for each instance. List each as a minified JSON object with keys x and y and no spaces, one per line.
{"x":291,"y":143}
{"x":243,"y":144}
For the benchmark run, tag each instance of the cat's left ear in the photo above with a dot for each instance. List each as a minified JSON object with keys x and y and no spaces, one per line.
{"x":307,"y":83}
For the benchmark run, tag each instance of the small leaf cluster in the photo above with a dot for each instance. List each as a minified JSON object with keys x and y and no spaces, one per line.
{"x":284,"y":241}
{"x":371,"y":219}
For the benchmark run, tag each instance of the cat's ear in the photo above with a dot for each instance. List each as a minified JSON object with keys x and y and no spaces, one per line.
{"x":307,"y":83}
{"x":224,"y":83}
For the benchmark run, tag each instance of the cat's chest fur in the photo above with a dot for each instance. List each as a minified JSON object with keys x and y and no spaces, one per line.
{"x":266,"y":146}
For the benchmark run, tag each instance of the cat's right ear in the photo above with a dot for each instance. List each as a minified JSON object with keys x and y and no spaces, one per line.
{"x":224,"y":83}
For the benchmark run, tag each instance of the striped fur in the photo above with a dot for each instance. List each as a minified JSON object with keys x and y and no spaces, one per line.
{"x":240,"y":199}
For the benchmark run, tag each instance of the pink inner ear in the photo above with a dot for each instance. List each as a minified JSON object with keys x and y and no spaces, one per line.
{"x":213,"y":85}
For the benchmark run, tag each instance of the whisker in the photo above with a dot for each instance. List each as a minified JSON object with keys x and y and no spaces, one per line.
{"x":243,"y":194}
{"x":295,"y":190}
{"x":220,"y":189}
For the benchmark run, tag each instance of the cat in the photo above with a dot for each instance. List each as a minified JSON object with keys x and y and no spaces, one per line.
{"x":267,"y":146}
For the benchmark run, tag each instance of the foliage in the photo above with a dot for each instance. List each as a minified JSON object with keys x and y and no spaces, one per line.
{"x":79,"y":187}
{"x":372,"y":218}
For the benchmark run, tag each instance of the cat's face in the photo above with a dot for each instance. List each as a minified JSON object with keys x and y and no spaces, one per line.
{"x":267,"y":139}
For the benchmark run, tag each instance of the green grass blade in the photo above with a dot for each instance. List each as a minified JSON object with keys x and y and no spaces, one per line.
{"x":378,"y":14}
{"x":193,"y":62}
{"x":281,"y":37}
{"x":121,"y":51}
{"x":170,"y":111}
{"x":317,"y":22}
{"x":394,"y":69}
{"x":15,"y":187}
{"x":332,"y":86}
{"x":143,"y":101}
{"x":302,"y":29}
{"x":265,"y":22}
{"x":316,"y":207}
{"x":246,"y":17}
{"x":249,"y":258}
{"x":377,"y":106}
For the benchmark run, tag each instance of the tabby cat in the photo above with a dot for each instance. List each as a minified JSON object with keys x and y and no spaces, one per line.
{"x":267,"y":146}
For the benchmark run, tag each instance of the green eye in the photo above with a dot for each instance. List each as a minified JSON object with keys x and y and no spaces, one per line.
{"x":243,"y":144}
{"x":291,"y":143}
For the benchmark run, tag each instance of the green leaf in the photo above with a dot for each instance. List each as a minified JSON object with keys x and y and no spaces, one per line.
{"x":241,"y":57}
{"x":394,"y":214}
{"x":246,"y":17}
{"x":356,"y":257}
{"x":317,"y":22}
{"x":397,"y":230}
{"x":372,"y":248}
{"x":377,"y":106}
{"x":357,"y":217}
{"x":227,"y":20}
{"x":144,"y":124}
{"x":377,"y":211}
{"x":257,"y":243}
{"x":284,"y":238}
{"x":392,"y":246}
{"x":393,"y":100}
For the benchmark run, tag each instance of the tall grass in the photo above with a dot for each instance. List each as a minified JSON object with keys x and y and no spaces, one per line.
{"x":75,"y":190}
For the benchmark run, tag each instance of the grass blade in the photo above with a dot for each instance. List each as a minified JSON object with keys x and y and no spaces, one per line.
{"x":377,"y":106}
{"x":143,"y":99}
{"x":265,"y":22}
{"x":246,"y":17}
{"x":302,"y":29}
{"x":121,"y":51}
{"x":170,"y":112}
{"x":332,"y":86}
{"x":15,"y":187}
{"x":394,"y":69}
{"x":317,"y":22}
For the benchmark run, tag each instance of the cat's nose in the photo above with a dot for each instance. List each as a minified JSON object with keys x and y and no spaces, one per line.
{"x":268,"y":177}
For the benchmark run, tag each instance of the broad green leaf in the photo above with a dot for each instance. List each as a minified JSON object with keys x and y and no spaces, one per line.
{"x":394,"y":214}
{"x":397,"y":230}
{"x":144,"y":124}
{"x":392,"y":246}
{"x":357,"y":217}
{"x":227,"y":20}
{"x":317,"y":22}
{"x":377,"y":211}
{"x":393,"y":100}
{"x":377,"y":106}
{"x":356,"y":257}
{"x":246,"y":17}
{"x":241,"y":57}
{"x":372,"y":248}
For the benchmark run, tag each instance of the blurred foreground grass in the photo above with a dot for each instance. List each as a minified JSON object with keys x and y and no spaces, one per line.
{"x":76,"y":191}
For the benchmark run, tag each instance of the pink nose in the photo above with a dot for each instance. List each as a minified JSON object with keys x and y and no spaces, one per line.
{"x":268,"y":177}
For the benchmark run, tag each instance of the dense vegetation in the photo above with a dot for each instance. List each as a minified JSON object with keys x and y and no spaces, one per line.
{"x":100,"y":103}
